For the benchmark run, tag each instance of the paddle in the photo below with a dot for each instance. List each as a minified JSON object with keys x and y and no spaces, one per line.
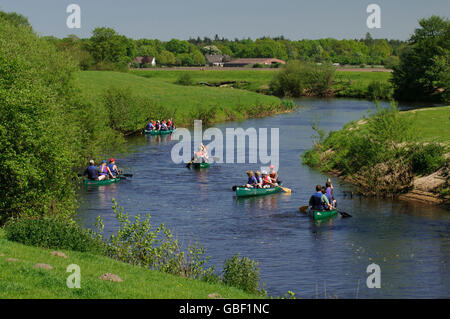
{"x":303,"y":209}
{"x":285,"y":189}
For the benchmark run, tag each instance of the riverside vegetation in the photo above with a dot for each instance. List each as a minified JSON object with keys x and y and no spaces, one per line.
{"x":49,"y":126}
{"x":383,"y":153}
{"x":135,"y":242}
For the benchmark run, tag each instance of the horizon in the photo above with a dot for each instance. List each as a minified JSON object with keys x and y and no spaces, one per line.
{"x":234,"y":20}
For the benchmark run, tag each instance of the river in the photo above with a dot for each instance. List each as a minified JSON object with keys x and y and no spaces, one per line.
{"x":409,"y":241}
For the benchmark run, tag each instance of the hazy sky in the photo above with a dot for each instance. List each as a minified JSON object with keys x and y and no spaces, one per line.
{"x":166,"y":19}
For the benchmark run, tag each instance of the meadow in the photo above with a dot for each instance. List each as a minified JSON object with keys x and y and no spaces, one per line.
{"x":347,"y":83}
{"x":20,"y":279}
{"x":162,"y":98}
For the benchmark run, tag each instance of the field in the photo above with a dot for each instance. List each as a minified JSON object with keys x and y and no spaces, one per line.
{"x":20,"y":279}
{"x":432,"y":124}
{"x":182,"y":102}
{"x":258,"y":79}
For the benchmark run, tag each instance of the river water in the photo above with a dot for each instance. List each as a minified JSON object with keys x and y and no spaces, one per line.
{"x":409,"y":241}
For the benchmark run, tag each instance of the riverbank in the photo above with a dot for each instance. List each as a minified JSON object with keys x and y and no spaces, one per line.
{"x":390,"y":154}
{"x":347,"y":82}
{"x":24,"y":273}
{"x":153,"y":98}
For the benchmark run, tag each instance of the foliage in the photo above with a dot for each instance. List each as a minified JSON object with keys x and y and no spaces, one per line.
{"x":243,"y":273}
{"x":21,"y":280}
{"x":39,"y":132}
{"x":138,"y":243}
{"x":185,"y":79}
{"x":384,"y":150}
{"x":296,"y":79}
{"x":422,"y":73}
{"x":107,"y":46}
{"x":379,"y":90}
{"x":52,"y":233}
{"x":426,"y":159}
{"x":127,"y":113}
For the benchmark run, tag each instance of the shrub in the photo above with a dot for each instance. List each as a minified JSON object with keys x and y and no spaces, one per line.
{"x":52,"y":233}
{"x":185,"y":79}
{"x":242,"y":273}
{"x":138,"y":243}
{"x":127,"y":113}
{"x":379,"y":90}
{"x":299,"y":78}
{"x":426,"y":159}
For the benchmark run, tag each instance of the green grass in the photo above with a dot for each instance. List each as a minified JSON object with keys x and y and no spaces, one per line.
{"x":260,"y":79}
{"x":21,"y":280}
{"x":229,"y":104}
{"x":431,"y":124}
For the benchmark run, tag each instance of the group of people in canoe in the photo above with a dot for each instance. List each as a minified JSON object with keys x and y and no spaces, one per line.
{"x":103,"y":172}
{"x":323,"y":198}
{"x":262,"y":179}
{"x":160,"y":125}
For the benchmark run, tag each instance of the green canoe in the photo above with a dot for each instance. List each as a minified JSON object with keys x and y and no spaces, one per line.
{"x":104,"y":182}
{"x":244,"y":191}
{"x":318,"y":215}
{"x":201,"y":165}
{"x":158,"y":132}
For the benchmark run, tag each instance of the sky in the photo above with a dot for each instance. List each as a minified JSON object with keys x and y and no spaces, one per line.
{"x":183,"y":19}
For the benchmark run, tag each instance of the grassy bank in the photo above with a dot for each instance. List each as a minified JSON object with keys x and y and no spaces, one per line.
{"x":159,"y":98}
{"x":386,"y":153}
{"x":347,"y":83}
{"x":20,"y":279}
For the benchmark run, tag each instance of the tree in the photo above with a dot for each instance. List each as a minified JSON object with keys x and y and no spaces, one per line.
{"x":421,"y":72}
{"x":106,"y":45}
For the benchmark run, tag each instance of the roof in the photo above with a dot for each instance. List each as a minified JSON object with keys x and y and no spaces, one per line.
{"x":256,"y":61}
{"x":216,"y":58}
{"x":144,"y":59}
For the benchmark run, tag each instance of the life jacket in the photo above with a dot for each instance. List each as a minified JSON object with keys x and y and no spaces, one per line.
{"x":104,"y":170}
{"x":316,"y":201}
{"x":267,"y":180}
{"x":92,"y":172}
{"x":252,"y":180}
{"x":111,"y":168}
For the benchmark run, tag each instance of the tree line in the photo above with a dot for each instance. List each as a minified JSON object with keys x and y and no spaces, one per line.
{"x":107,"y":49}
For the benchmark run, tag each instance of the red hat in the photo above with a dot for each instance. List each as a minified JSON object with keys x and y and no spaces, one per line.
{"x":111,"y":160}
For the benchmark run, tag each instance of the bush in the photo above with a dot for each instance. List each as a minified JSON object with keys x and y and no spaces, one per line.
{"x":242,"y":273}
{"x":127,"y":113}
{"x":426,"y":159}
{"x":379,"y":90}
{"x":52,"y":233}
{"x":185,"y":79}
{"x":138,"y":243}
{"x":298,"y":78}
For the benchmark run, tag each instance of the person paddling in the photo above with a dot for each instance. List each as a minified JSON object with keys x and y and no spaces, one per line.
{"x":150,"y":126}
{"x":329,"y":193}
{"x":252,"y":182}
{"x":92,"y":171}
{"x":267,"y":182}
{"x":259,"y":179}
{"x":113,"y":167}
{"x":105,"y":173}
{"x":318,"y":201}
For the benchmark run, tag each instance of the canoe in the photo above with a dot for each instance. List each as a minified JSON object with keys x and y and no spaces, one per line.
{"x":319,"y":215}
{"x":200,"y":165}
{"x":158,"y":132}
{"x":244,"y":191}
{"x":104,"y":182}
